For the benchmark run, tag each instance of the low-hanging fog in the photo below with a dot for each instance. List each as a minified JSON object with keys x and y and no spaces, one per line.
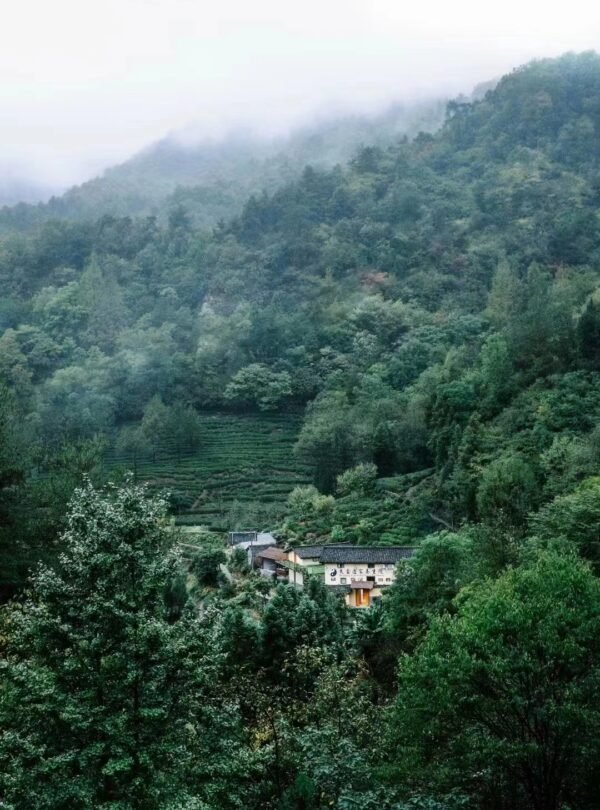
{"x":86,"y":84}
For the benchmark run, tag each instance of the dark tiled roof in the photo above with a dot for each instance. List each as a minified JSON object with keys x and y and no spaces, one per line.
{"x":377,"y":555}
{"x":315,"y":551}
{"x":241,"y":537}
{"x":308,"y":551}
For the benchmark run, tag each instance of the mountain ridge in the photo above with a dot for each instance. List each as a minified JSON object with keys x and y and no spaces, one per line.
{"x":219,"y":174}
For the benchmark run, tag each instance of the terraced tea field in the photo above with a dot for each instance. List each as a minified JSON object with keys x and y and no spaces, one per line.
{"x":241,"y":473}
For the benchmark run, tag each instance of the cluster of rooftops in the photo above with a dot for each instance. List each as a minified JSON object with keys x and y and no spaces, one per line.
{"x":360,"y":572}
{"x":341,"y":553}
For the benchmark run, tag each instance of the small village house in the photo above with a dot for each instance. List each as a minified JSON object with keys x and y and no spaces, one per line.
{"x":252,"y":542}
{"x":236,"y":538}
{"x":362,"y":572}
{"x":270,"y":563}
{"x":303,"y":561}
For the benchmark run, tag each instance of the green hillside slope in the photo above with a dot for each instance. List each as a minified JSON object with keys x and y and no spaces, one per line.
{"x":417,"y":332}
{"x":241,"y":473}
{"x":433,"y":306}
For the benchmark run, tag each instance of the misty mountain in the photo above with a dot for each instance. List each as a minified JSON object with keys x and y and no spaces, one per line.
{"x":399,"y":351}
{"x":15,"y":189}
{"x":213,"y":178}
{"x":428,"y":305}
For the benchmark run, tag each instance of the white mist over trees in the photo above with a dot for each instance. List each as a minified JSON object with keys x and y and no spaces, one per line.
{"x":85,"y":86}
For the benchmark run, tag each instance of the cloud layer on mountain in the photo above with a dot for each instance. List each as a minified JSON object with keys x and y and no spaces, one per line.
{"x":85,"y":85}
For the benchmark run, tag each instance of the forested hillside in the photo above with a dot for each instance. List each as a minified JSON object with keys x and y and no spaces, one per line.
{"x":434,"y":304}
{"x":430,"y":313}
{"x":213,"y":178}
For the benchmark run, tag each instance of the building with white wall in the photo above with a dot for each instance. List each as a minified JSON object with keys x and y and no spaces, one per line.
{"x":361,"y":572}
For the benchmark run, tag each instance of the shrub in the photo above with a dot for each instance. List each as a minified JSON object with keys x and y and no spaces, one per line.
{"x":359,"y":480}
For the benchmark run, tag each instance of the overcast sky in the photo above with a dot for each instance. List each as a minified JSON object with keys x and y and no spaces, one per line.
{"x":85,"y":83}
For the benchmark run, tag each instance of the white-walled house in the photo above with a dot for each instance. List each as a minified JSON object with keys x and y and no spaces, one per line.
{"x":361,"y":572}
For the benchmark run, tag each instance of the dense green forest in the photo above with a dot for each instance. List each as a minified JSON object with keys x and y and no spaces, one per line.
{"x":428,"y":315}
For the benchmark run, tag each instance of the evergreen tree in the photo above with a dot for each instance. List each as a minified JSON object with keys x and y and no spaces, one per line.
{"x":96,"y":703}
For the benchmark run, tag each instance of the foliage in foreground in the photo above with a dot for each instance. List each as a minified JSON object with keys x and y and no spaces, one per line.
{"x":117,"y":695}
{"x":107,"y":697}
{"x":498,"y":700}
